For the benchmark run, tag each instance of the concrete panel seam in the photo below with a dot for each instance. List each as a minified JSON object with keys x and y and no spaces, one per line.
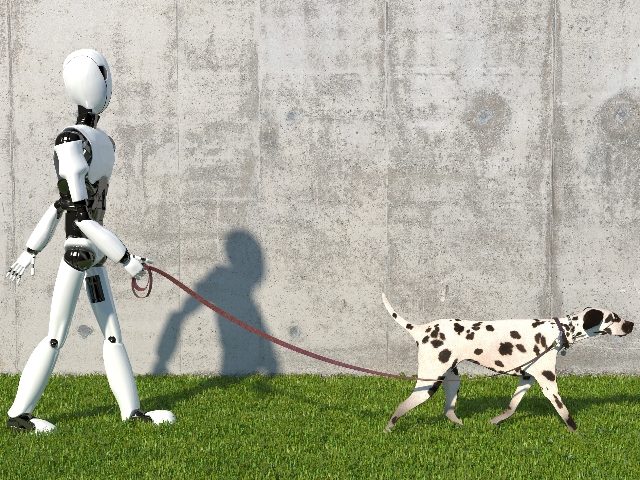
{"x":12,"y":251}
{"x":178,"y":161}
{"x":551,"y":270}
{"x":387,"y":271}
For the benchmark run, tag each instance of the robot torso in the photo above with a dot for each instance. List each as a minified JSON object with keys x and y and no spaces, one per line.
{"x":98,"y":150}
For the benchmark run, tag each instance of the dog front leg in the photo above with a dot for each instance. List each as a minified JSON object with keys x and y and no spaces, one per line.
{"x":525,"y":384}
{"x":547,"y":381}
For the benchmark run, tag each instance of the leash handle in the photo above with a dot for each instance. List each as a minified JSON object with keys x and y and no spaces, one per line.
{"x":135,"y":287}
{"x":226,"y":315}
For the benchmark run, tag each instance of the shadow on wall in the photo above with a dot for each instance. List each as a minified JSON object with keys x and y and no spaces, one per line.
{"x":231,"y":288}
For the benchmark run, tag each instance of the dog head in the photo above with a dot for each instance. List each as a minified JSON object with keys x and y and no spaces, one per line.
{"x":596,"y":321}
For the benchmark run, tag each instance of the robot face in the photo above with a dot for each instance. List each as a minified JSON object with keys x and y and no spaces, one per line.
{"x":87,"y":79}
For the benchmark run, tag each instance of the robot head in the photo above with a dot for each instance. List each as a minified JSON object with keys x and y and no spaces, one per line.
{"x":87,"y":79}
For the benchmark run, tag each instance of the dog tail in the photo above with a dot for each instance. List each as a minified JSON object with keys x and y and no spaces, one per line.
{"x":401,"y":321}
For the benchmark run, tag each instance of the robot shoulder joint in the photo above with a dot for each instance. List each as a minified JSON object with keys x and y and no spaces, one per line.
{"x":68,"y":136}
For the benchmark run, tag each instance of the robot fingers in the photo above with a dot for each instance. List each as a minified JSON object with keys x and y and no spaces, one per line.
{"x":20,"y":265}
{"x":144,"y":260}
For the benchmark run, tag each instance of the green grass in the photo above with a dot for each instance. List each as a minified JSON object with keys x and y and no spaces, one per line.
{"x":325,"y":427}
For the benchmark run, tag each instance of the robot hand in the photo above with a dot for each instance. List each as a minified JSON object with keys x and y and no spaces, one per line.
{"x":17,"y":269}
{"x":135,"y":266}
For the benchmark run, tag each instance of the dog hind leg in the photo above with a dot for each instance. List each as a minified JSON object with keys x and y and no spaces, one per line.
{"x":526,"y":381}
{"x":451,"y":386}
{"x":421,"y":393}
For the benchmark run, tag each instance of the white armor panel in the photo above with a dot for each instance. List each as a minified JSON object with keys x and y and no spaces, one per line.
{"x":102,"y":151}
{"x":87,"y":79}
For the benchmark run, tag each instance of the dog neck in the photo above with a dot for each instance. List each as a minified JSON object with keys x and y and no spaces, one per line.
{"x":573,"y":329}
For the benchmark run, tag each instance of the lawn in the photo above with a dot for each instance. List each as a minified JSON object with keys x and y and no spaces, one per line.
{"x":303,"y":426}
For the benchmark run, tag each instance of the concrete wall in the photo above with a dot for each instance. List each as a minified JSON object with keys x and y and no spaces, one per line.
{"x":291,"y":160}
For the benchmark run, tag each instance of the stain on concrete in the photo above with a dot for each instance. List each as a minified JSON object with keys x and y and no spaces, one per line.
{"x":84,"y":331}
{"x":619,"y":120}
{"x":487,"y":118}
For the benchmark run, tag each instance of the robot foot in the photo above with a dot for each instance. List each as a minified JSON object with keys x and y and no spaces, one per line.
{"x":27,"y":422}
{"x":155,"y":416}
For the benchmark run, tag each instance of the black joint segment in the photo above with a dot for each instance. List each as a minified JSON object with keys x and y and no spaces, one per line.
{"x":139,"y":415}
{"x":80,"y":208}
{"x":112,"y":339}
{"x":68,"y":136}
{"x":394,"y":315}
{"x":32,"y":252}
{"x":53,"y":343}
{"x":21,"y":422}
{"x":79,"y":258}
{"x":125,"y":258}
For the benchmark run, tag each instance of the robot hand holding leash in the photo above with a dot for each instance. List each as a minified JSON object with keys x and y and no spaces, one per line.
{"x":83,"y":160}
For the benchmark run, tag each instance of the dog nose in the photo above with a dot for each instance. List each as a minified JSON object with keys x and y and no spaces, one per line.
{"x":627,"y":327}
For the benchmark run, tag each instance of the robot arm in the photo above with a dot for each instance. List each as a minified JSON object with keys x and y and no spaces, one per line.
{"x":36,"y":242}
{"x":44,"y":230}
{"x":73,"y":167}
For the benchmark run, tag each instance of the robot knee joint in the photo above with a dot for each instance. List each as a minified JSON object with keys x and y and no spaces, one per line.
{"x":113,"y":339}
{"x":54,"y":343}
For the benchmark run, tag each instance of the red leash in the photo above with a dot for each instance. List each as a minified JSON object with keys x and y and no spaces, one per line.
{"x":260,"y":333}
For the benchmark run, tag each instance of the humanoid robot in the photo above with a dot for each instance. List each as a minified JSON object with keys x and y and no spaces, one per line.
{"x":83,"y":159}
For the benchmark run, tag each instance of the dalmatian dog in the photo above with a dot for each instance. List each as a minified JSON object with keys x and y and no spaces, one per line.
{"x":524,"y":348}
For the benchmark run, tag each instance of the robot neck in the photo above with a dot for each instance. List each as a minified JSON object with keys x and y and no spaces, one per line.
{"x":85,"y":117}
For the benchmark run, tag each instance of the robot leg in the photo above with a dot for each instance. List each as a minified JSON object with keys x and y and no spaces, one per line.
{"x":116,"y":360}
{"x":38,"y":368}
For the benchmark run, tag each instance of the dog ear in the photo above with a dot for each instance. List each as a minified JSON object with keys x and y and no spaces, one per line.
{"x":592,"y":318}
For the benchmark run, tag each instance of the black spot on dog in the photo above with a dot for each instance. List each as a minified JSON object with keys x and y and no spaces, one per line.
{"x":536,"y":323}
{"x":506,"y":348}
{"x":409,"y":326}
{"x":458,"y":328}
{"x":549,"y":375}
{"x":558,"y":402}
{"x":427,"y":330}
{"x":435,"y":333}
{"x":425,"y":339}
{"x":616,"y":318}
{"x":470,"y":336}
{"x":517,"y":369}
{"x":418,"y":343}
{"x":537,"y":337}
{"x":592,"y":318}
{"x":515,"y":335}
{"x":437,"y":343}
{"x":442,"y":337}
{"x":520,"y":347}
{"x":499,"y":363}
{"x":490,"y":328}
{"x":607,"y":330}
{"x":536,"y":350}
{"x":571,"y":423}
{"x":476,"y":326}
{"x":543,"y":342}
{"x":444,"y":355}
{"x":477,"y":351}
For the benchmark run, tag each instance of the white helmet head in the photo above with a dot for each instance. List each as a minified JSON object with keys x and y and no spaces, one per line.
{"x":87,"y":79}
